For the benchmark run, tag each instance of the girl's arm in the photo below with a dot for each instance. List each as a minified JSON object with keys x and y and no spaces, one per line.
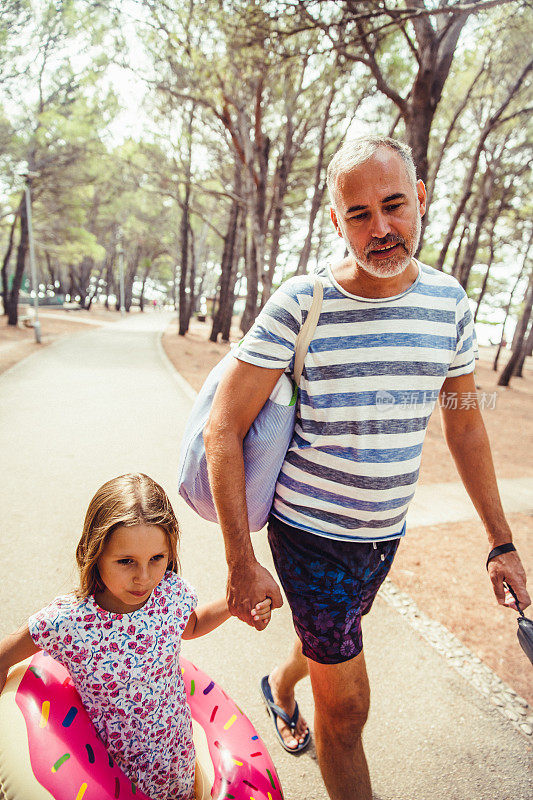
{"x":14,"y":648}
{"x":206,"y":619}
{"x":211,"y":615}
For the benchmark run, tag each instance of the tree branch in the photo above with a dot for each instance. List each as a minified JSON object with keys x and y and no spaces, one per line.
{"x":467,"y":190}
{"x":461,"y":107}
{"x":382,"y":84}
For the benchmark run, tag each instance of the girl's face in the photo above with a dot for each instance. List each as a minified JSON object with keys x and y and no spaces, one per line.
{"x":131,"y":565}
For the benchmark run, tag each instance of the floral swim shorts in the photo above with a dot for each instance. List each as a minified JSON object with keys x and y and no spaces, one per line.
{"x":330,"y":585}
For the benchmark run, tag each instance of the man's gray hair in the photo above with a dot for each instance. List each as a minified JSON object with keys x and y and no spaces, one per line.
{"x":355,"y":152}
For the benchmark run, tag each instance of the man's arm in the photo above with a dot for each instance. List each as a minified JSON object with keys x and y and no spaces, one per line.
{"x":468,"y":443}
{"x":240,"y":396}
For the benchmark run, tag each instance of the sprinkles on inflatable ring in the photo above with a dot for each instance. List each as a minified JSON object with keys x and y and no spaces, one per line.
{"x":49,"y":747}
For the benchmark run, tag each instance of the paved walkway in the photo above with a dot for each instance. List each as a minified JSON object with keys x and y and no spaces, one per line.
{"x":74,"y":318}
{"x":448,"y":502}
{"x":105,"y":402}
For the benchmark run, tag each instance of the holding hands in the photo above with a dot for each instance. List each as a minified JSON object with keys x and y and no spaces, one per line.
{"x":261,"y":613}
{"x":248,"y":581}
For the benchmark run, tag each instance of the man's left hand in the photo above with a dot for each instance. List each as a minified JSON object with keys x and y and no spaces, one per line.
{"x":508,"y":567}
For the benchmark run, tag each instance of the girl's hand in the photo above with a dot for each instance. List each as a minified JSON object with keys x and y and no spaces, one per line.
{"x":261,"y":612}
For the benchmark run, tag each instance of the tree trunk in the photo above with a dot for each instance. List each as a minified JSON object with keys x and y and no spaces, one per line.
{"x":319,"y":189}
{"x":251,"y":265}
{"x":259,"y":218}
{"x":418,"y":127}
{"x":184,"y":306}
{"x":280,"y":183}
{"x":5,"y":263}
{"x":90,"y":297}
{"x":129,"y":278}
{"x":482,"y":290}
{"x":521,"y":343}
{"x":72,"y":285}
{"x":225,"y":291}
{"x":237,"y":251}
{"x":459,"y":247}
{"x":202,"y":258}
{"x":203,"y":272}
{"x":84,"y":279}
{"x":321,"y":235}
{"x":469,"y":256}
{"x":143,"y":287}
{"x":467,"y":191}
{"x":250,"y":309}
{"x":527,"y":350}
{"x":192,"y":274}
{"x":174,"y":285}
{"x":109,"y":279}
{"x":485,"y":279}
{"x":256,"y":154}
{"x":12,"y":316}
{"x":510,"y":301}
{"x":51,"y":274}
{"x":435,"y":51}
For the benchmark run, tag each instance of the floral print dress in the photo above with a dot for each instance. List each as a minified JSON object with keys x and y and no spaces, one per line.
{"x":126,"y":670}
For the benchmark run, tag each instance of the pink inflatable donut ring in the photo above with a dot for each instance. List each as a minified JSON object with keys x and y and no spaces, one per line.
{"x":49,"y":747}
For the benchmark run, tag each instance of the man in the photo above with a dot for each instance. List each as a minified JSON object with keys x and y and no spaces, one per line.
{"x":392,"y":335}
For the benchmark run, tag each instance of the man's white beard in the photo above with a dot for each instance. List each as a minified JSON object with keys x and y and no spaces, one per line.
{"x":389,"y":268}
{"x":395,"y":264}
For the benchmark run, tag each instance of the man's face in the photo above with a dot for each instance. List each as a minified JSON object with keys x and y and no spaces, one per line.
{"x":378,"y":214}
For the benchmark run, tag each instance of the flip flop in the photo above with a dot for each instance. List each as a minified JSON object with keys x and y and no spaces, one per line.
{"x":275,"y":711}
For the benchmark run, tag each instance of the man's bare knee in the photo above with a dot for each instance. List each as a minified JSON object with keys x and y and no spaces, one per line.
{"x":344,"y":719}
{"x":342,"y":699}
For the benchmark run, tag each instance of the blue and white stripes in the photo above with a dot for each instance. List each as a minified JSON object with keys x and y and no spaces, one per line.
{"x":371,"y":378}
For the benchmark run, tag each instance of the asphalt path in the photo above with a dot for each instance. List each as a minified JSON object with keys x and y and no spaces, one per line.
{"x":106,"y":401}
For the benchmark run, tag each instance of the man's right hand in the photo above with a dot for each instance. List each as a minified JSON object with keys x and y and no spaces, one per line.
{"x":248,"y":584}
{"x":508,"y":568}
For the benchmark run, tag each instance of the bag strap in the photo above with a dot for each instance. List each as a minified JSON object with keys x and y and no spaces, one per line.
{"x":515,"y":598}
{"x":308,"y":329}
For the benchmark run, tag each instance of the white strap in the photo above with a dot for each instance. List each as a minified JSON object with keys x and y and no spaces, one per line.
{"x":307,"y":330}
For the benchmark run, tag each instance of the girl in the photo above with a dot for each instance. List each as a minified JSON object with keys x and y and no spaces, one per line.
{"x":119,"y":634}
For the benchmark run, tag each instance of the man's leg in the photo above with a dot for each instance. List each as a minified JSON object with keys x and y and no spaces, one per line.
{"x":342,"y":699}
{"x":330,"y":585}
{"x":282,"y":681}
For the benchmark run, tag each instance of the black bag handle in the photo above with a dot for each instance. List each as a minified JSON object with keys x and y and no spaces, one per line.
{"x":525,"y":627}
{"x":515,"y":598}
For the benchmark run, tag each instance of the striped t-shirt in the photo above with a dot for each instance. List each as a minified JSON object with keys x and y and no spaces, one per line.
{"x":370,"y":381}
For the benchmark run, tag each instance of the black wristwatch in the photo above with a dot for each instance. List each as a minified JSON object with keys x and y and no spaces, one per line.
{"x":499,"y":551}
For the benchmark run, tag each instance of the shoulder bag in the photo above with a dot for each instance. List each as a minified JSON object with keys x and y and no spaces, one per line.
{"x":265,"y":444}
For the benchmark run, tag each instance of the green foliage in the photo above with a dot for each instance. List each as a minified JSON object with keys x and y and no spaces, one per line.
{"x":77,"y":245}
{"x":251,"y":72}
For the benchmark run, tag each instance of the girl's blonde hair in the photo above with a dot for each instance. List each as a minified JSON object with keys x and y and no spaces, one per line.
{"x":131,"y":499}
